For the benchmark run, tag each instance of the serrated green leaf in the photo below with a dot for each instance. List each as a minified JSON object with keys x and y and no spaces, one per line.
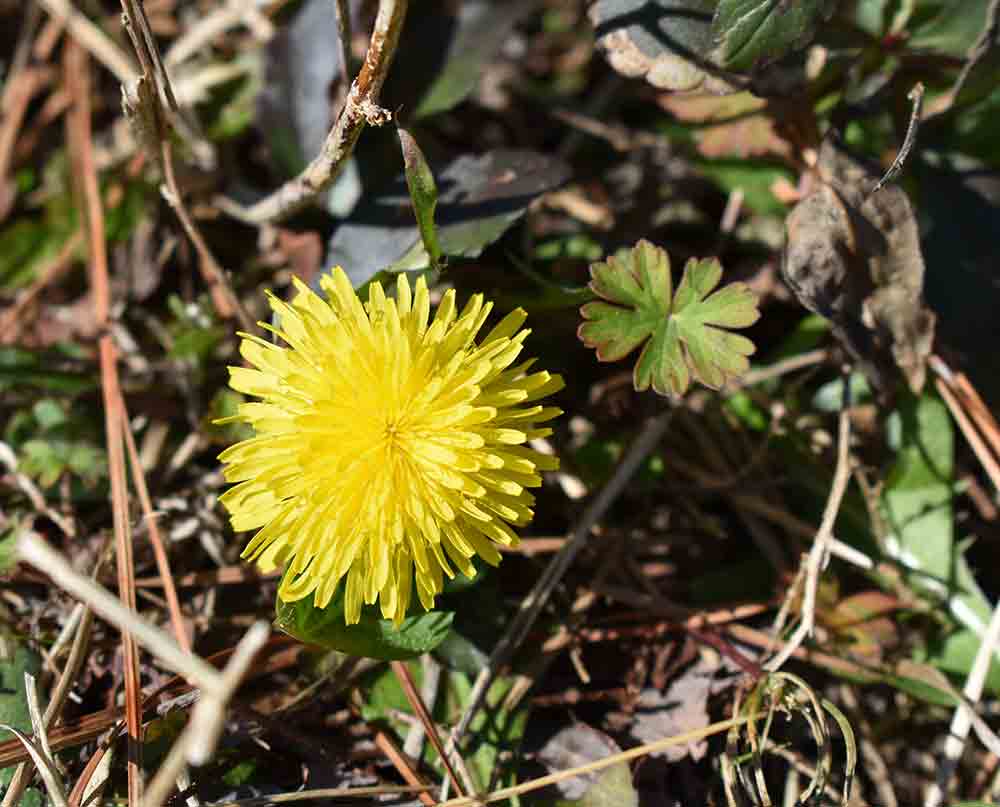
{"x":684,"y":330}
{"x":751,"y":31}
{"x":373,"y":636}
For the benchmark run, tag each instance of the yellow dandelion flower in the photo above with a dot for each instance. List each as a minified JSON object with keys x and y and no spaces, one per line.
{"x":386,"y":447}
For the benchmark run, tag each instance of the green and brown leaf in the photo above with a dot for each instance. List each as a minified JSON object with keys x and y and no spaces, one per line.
{"x":682,"y":333}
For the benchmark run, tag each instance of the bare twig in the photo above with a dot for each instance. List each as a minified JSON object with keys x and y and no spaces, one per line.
{"x":361,"y":107}
{"x":779,"y":368}
{"x":216,"y":22}
{"x":19,"y":781}
{"x":819,"y":553}
{"x":387,"y":746}
{"x":430,"y":682}
{"x":961,"y":720}
{"x":344,"y":29}
{"x":532,"y":605}
{"x":92,"y":39}
{"x":32,"y":549}
{"x":198,"y":741}
{"x":614,"y":759}
{"x":154,"y":108}
{"x":325,"y":793}
{"x":970,"y":412}
{"x":983,"y":45}
{"x":916,"y":95}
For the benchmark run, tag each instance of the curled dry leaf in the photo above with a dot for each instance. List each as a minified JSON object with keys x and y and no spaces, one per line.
{"x":854,"y":257}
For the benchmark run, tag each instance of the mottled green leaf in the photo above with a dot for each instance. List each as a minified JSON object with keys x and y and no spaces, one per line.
{"x":682,"y":334}
{"x":749,"y":32}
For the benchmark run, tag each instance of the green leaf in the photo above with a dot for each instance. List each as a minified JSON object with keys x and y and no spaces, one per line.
{"x":751,"y":31}
{"x":950,"y":26}
{"x":8,"y":549}
{"x":372,"y":636}
{"x":918,"y":510}
{"x":423,"y":194}
{"x":479,"y":198}
{"x":444,"y":51}
{"x":684,"y":330}
{"x":490,"y":750}
{"x":15,"y":660}
{"x":21,"y":368}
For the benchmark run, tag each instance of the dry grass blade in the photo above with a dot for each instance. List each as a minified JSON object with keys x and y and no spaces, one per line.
{"x":507,"y":793}
{"x":155,"y":538}
{"x":45,"y":766}
{"x":80,"y":135}
{"x":793,"y":696}
{"x":817,"y":557}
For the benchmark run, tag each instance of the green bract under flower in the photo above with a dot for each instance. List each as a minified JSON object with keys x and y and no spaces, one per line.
{"x":386,"y":447}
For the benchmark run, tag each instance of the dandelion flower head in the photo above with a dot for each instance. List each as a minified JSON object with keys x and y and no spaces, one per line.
{"x":388,"y":447}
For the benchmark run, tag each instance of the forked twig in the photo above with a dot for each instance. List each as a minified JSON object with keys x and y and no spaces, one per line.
{"x":361,"y":107}
{"x":152,"y":109}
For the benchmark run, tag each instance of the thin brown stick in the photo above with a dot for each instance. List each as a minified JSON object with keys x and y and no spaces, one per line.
{"x":226,"y":575}
{"x":223,"y":297}
{"x":965,"y":425}
{"x":974,"y":406}
{"x":413,"y":696}
{"x":385,"y":744}
{"x":155,"y":538}
{"x":361,"y":107}
{"x":46,"y":275}
{"x":19,"y":90}
{"x":79,"y":122}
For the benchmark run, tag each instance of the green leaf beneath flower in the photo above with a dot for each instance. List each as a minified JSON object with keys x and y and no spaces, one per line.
{"x":373,"y":636}
{"x":682,"y":334}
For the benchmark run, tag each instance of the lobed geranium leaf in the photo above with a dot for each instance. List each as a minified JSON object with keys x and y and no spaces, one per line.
{"x":682,"y":333}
